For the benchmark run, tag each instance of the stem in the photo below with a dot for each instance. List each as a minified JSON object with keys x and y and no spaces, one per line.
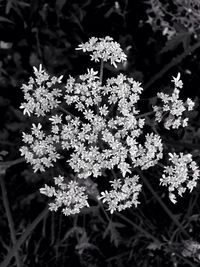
{"x":7,"y":164}
{"x":101,"y":80}
{"x":169,"y":213}
{"x":185,"y":259}
{"x":23,"y":237}
{"x":66,"y":112}
{"x":114,"y":174}
{"x":10,"y":219}
{"x":138,"y":228}
{"x":69,"y":113}
{"x":145,"y":114}
{"x":38,"y":44}
{"x":132,"y":223}
{"x":175,"y":61}
{"x":187,"y":145}
{"x":101,"y":72}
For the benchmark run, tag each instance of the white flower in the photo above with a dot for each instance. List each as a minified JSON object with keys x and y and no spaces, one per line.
{"x":104,"y":49}
{"x":41,"y":148}
{"x":103,"y":110}
{"x":183,"y":173}
{"x":190,"y":104}
{"x":177,"y":82}
{"x":150,"y":154}
{"x":56,"y":119}
{"x":173,"y":108}
{"x":123,"y":195}
{"x":70,"y":197}
{"x":39,"y":95}
{"x":102,"y":132}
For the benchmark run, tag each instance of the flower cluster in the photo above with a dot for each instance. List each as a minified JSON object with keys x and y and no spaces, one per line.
{"x":123,"y":194}
{"x":69,"y":196}
{"x":172,"y":109}
{"x":107,"y":133}
{"x":102,"y":141}
{"x":104,"y":49}
{"x":182,"y":174}
{"x":39,"y":95}
{"x":40,"y":150}
{"x":149,"y":154}
{"x":85,"y":93}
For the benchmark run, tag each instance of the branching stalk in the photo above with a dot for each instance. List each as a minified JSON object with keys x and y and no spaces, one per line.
{"x":169,"y":213}
{"x":23,"y":237}
{"x":101,"y":72}
{"x":10,"y":219}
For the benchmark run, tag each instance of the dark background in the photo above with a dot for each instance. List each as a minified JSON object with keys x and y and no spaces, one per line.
{"x":47,"y":32}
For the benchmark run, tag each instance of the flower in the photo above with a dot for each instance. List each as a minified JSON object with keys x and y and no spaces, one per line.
{"x":104,"y":49}
{"x":83,"y":94}
{"x":102,"y":131}
{"x":69,"y":196}
{"x":123,"y":195}
{"x":173,"y":108}
{"x":98,"y":142}
{"x":39,"y":95}
{"x":41,"y":148}
{"x":177,"y":82}
{"x":150,"y":154}
{"x":183,"y":173}
{"x":56,"y":119}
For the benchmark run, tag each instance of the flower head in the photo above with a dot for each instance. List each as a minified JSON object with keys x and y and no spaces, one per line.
{"x":39,"y":93}
{"x":177,"y":81}
{"x":69,"y":196}
{"x":104,"y":49}
{"x":40,"y":150}
{"x":183,"y":173}
{"x":172,"y":108}
{"x":102,"y":131}
{"x":123,"y":194}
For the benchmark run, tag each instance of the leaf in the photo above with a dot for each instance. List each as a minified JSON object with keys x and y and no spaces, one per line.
{"x":114,"y":234}
{"x":60,"y":4}
{"x":154,"y":246}
{"x":15,"y":126}
{"x":75,"y":230}
{"x":5,"y":45}
{"x":3,"y":19}
{"x":9,"y":6}
{"x":109,"y":12}
{"x":3,"y":167}
{"x":181,"y":38}
{"x":3,"y":153}
{"x":34,"y":60}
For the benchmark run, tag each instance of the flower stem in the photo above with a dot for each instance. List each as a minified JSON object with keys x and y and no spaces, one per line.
{"x":24,"y":236}
{"x":145,"y":114}
{"x":169,"y":213}
{"x":66,"y":111}
{"x":10,"y":219}
{"x":138,"y":227}
{"x":101,"y":72}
